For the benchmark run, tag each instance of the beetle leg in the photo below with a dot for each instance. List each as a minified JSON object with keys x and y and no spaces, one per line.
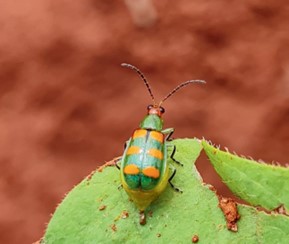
{"x":116,"y":162}
{"x":168,"y":138}
{"x":172,"y":156}
{"x":170,"y":181}
{"x":125,"y":144}
{"x":169,"y":133}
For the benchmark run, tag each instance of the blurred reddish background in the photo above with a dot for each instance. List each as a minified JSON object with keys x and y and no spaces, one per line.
{"x":67,"y":106}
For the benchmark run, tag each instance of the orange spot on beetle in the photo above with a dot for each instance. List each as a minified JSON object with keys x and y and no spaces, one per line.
{"x":131,"y":169}
{"x":133,"y":150}
{"x":151,"y":172}
{"x":157,"y":136}
{"x":155,"y":153}
{"x":139,"y":133}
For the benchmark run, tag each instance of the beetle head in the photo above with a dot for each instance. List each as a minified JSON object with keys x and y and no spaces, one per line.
{"x":155,"y":109}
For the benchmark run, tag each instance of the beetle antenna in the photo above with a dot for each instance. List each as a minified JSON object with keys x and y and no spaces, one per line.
{"x":141,"y":76}
{"x":180,"y":86}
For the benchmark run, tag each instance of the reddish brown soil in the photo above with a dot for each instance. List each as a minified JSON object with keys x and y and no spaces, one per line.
{"x":67,"y":106}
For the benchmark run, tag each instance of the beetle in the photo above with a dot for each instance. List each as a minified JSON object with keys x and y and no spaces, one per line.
{"x":144,"y":170}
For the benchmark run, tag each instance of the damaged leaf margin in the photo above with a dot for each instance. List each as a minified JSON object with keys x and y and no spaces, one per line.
{"x":259,"y":184}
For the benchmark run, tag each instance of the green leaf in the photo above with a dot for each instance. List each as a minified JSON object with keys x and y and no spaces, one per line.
{"x":257,"y":183}
{"x":173,"y":218}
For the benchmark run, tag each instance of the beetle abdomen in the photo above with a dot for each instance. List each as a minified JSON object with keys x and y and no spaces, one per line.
{"x":144,"y":159}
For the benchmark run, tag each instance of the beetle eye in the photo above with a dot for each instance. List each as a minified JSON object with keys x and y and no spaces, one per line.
{"x":162,"y":110}
{"x":149,"y":107}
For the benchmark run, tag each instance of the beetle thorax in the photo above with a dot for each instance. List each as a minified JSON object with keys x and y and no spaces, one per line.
{"x":153,"y":120}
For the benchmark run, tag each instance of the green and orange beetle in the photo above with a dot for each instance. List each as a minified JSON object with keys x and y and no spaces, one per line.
{"x":144,"y":169}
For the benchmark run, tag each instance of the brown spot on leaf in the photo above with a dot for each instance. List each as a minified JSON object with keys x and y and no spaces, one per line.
{"x":113,"y":227}
{"x":124,"y":214}
{"x":195,"y":239}
{"x":229,"y":208}
{"x":142,"y":218}
{"x":159,"y":235}
{"x":102,"y":207}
